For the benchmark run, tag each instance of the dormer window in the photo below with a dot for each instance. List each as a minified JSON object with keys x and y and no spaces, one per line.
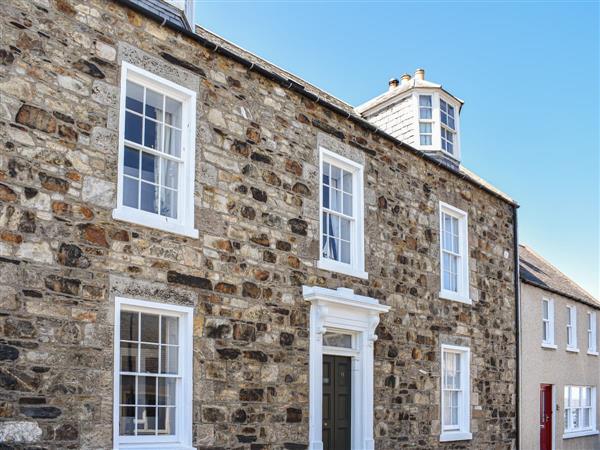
{"x":448,"y":126}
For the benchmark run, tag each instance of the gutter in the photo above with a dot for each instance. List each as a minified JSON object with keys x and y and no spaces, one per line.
{"x":292,"y":85}
{"x":517,"y":288}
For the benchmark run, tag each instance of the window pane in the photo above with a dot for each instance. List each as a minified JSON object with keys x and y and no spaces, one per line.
{"x":149,"y":358}
{"x":545,"y":309}
{"x":128,"y":357}
{"x":425,"y":128}
{"x":172,"y":141}
{"x":585,"y":418}
{"x":127,"y":421}
{"x":169,"y":359}
{"x":154,"y":105}
{"x":347,"y":182}
{"x":133,"y":127}
{"x":169,"y":330}
{"x":336,"y":177}
{"x":127,"y":389}
{"x":425,"y":100}
{"x":168,"y":203}
{"x":146,"y":394}
{"x":333,"y":250}
{"x":425,"y":113}
{"x":146,"y":421}
{"x":348,"y":204}
{"x":326,"y":169}
{"x":149,"y":328}
{"x":150,"y":167}
{"x":173,"y":112}
{"x":334,"y":226}
{"x":332,"y":339}
{"x":336,"y":200}
{"x":345,"y":252}
{"x":129,"y":325}
{"x":132,"y":162}
{"x":169,"y":173}
{"x":167,"y":391}
{"x":166,"y":420}
{"x":152,"y":134}
{"x":425,"y":139}
{"x":135,"y":97}
{"x":345,"y":229}
{"x":149,"y":197}
{"x":130,"y":192}
{"x":325,"y":196}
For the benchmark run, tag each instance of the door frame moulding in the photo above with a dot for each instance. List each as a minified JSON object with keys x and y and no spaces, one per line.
{"x":342,"y":310}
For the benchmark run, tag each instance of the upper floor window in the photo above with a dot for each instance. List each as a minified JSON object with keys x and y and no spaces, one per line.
{"x":580,"y":410}
{"x":342,"y":236}
{"x":592,"y":334}
{"x":454,"y":263}
{"x":547,"y":323}
{"x":156,"y":152}
{"x":572,"y":328}
{"x":153,"y":375}
{"x":425,"y":119}
{"x":448,"y":126}
{"x":456,"y":410}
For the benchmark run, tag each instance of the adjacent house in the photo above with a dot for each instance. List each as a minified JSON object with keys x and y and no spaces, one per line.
{"x":201,"y":250}
{"x":560,"y":370}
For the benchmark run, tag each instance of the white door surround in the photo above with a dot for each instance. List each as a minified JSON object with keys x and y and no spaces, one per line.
{"x":342,"y":310}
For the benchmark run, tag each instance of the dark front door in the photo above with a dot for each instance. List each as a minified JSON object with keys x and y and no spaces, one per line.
{"x":546,"y":417}
{"x":336,"y":402}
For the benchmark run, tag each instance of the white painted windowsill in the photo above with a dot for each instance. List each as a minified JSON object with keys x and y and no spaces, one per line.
{"x":572,"y":350}
{"x":593,"y":353}
{"x":449,"y":436}
{"x":576,"y":434}
{"x":153,"y":221}
{"x":550,"y":346}
{"x":455,"y":297}
{"x":346,"y":269}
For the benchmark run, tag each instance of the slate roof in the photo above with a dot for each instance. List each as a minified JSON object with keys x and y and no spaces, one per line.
{"x":170,"y":13}
{"x":538,"y":272}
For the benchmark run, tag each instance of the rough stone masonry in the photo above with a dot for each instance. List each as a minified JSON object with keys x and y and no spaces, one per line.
{"x":63,"y":258}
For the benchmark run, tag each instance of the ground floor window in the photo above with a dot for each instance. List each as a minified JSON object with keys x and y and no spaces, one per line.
{"x":580,"y":409}
{"x":153,"y":373}
{"x":455,"y":399}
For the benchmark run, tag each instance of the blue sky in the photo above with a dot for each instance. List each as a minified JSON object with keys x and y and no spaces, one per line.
{"x":528,"y":72}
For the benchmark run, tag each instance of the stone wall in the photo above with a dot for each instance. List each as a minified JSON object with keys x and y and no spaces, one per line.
{"x":63,"y":258}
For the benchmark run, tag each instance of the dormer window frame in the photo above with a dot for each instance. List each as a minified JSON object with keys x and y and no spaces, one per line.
{"x":436,"y":122}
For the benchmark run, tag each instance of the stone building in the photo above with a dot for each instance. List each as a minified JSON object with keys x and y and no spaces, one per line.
{"x":560,"y":368}
{"x":201,"y":250}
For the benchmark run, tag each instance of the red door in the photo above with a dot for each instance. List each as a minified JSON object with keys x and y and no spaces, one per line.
{"x":546,"y":417}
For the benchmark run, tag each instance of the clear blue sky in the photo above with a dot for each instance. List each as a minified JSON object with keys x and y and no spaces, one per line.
{"x":528,"y":72}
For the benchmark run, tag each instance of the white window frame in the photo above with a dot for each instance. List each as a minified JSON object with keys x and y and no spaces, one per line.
{"x":591,"y":430}
{"x":548,"y":323}
{"x":184,"y":223}
{"x":462,"y":293}
{"x":464,"y":426}
{"x":592,"y":333}
{"x":183,"y":421}
{"x":356,"y":267}
{"x":436,"y":141}
{"x":572,"y":329}
{"x":342,"y":310}
{"x":430,"y":121}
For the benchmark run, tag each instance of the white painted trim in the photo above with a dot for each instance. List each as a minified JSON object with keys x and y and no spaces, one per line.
{"x":341,"y":309}
{"x":464,"y":431}
{"x":356,"y":267}
{"x":462,"y":294}
{"x":592,"y":333}
{"x":572,"y":350}
{"x":550,"y":346}
{"x":184,"y":224}
{"x":577,"y":434}
{"x":183,"y":437}
{"x":572,"y":323}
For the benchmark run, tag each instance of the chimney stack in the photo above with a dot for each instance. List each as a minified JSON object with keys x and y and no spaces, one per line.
{"x":405,"y":79}
{"x":393,"y":83}
{"x":420,"y":74}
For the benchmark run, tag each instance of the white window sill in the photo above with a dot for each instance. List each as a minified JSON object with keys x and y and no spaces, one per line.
{"x":576,"y":434}
{"x":593,"y":353}
{"x":572,"y":350}
{"x":448,"y":436}
{"x":550,"y":346}
{"x":455,"y":297}
{"x":153,"y":446}
{"x":346,"y":269}
{"x":153,"y":221}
